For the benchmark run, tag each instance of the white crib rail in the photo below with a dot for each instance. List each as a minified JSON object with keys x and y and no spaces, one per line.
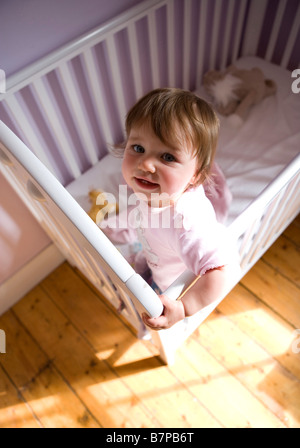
{"x":268,"y":215}
{"x":259,"y":225}
{"x":81,"y":240}
{"x":255,"y":230}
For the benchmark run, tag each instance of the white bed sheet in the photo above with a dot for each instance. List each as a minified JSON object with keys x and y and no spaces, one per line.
{"x":250,"y":156}
{"x":254,"y":154}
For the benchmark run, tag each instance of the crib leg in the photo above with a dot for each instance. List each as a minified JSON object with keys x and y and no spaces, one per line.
{"x":167,"y":349}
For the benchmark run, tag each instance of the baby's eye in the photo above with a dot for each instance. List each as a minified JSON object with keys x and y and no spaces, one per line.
{"x":138,"y":148}
{"x":168,"y":157}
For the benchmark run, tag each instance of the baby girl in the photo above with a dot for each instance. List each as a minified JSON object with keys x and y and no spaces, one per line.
{"x":168,"y":162}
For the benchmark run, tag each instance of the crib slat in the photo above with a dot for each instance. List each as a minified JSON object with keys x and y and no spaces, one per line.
{"x":77,"y":108}
{"x":135,"y":63}
{"x":258,"y":239}
{"x":281,"y":210}
{"x":201,"y":40}
{"x":55,"y":123}
{"x":228,"y":27}
{"x":241,"y":223}
{"x":56,"y":236}
{"x":115,"y":72}
{"x":171,"y":44}
{"x":97,"y":93}
{"x":290,"y":211}
{"x":153,"y":49}
{"x":127,"y":309}
{"x":187,"y":43}
{"x":82,"y":262}
{"x":291,"y":40}
{"x":103,"y":280}
{"x":239,"y":29}
{"x":254,"y":22}
{"x":215,"y":33}
{"x":32,"y":134}
{"x":275,"y":30}
{"x":246,"y":241}
{"x":286,"y":207}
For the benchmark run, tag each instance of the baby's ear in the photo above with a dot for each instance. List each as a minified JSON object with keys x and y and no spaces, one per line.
{"x":196,"y":178}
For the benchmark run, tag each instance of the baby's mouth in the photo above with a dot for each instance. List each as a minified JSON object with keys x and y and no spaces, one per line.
{"x":144,"y":183}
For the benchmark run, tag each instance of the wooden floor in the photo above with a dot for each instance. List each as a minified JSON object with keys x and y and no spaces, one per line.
{"x":71,"y":362}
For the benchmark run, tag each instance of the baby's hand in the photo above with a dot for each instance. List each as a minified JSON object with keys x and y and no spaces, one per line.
{"x":173,"y":312}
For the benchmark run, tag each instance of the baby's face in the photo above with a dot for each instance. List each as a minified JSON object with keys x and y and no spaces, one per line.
{"x":152,"y":168}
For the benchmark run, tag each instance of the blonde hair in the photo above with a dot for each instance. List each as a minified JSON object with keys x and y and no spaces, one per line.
{"x":180,"y":117}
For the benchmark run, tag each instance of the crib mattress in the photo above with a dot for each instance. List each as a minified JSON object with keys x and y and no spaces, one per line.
{"x":250,"y":156}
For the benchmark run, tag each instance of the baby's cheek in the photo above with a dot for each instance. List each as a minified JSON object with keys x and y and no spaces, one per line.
{"x":126,"y":168}
{"x":169,"y":182}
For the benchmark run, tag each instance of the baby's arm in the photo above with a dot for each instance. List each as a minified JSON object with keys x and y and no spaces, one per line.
{"x":212,"y":286}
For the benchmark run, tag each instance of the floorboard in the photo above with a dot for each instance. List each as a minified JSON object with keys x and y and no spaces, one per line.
{"x":71,"y":361}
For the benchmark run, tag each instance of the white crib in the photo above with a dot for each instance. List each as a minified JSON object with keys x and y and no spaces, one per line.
{"x":69,"y":105}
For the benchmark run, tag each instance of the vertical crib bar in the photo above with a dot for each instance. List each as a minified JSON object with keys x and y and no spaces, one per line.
{"x":82,"y":262}
{"x":286,"y":203}
{"x":77,"y":108}
{"x":80,"y":257}
{"x":129,"y":311}
{"x":116,"y":78}
{"x":291,"y":40}
{"x":215,"y":33}
{"x":135,"y":61}
{"x":171,"y":44}
{"x":239,"y":29}
{"x":97,"y":93}
{"x":57,"y":237}
{"x":201,"y":40}
{"x":264,"y":231}
{"x":275,"y":30}
{"x":32,"y":134}
{"x":228,"y":27}
{"x":291,"y":209}
{"x":153,"y":49}
{"x":258,"y":241}
{"x":245,"y":243}
{"x":55,"y":124}
{"x":102,"y":278}
{"x":187,"y":43}
{"x":254,"y":26}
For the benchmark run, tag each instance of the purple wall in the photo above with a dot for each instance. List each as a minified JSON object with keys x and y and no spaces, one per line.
{"x":32,"y":28}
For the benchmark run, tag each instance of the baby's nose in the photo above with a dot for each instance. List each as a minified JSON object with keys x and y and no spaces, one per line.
{"x":148,"y":164}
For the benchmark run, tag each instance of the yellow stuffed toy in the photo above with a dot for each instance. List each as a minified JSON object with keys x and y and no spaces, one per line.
{"x":101,"y":207}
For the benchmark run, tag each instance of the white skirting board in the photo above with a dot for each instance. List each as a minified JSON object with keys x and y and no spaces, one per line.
{"x":30,"y":275}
